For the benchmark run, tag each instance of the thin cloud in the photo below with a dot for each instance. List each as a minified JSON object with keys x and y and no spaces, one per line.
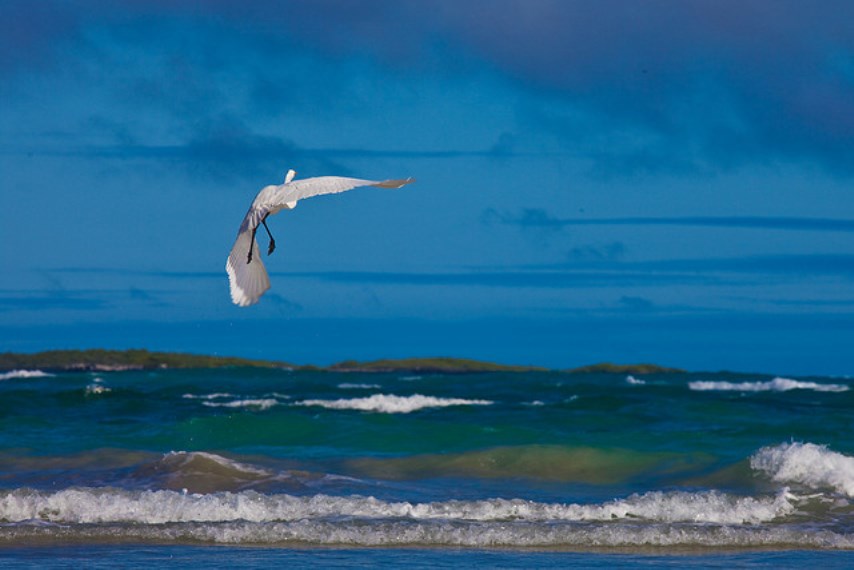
{"x":538,"y":218}
{"x":580,"y":272}
{"x":841,"y":265}
{"x":544,"y":279}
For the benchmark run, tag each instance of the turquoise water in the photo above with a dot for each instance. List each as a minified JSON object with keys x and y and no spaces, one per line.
{"x":505,"y":470}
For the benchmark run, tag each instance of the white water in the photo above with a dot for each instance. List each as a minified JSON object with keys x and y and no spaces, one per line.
{"x":259,"y":403}
{"x":219,"y":400}
{"x":806,"y":464}
{"x":24,"y":374}
{"x":109,"y":505}
{"x":396,"y":533}
{"x":656,"y":518}
{"x":215,"y":396}
{"x":391,"y":404}
{"x":775,"y":385}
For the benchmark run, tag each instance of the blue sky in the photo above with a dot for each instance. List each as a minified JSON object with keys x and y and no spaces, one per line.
{"x":624,"y":181}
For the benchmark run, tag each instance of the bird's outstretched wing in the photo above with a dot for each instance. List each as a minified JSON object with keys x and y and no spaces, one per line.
{"x":248,"y":281}
{"x":308,"y":187}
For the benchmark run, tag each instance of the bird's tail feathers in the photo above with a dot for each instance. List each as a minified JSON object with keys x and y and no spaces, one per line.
{"x":248,"y":281}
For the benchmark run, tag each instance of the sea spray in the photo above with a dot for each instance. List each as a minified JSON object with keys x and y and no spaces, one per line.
{"x":807,"y":464}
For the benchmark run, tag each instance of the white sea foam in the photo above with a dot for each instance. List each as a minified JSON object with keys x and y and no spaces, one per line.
{"x":218,"y":400}
{"x":247,"y":517}
{"x":397,"y":533}
{"x":632,"y":380}
{"x":260,"y":403}
{"x":94,"y":389}
{"x":352,"y":386}
{"x":215,"y":396}
{"x":807,"y":464}
{"x":108,"y":505}
{"x":391,"y":404}
{"x":775,"y":385}
{"x":24,"y":374}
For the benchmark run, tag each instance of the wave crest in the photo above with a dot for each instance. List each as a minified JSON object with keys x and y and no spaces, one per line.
{"x":198,"y":471}
{"x":24,"y":374}
{"x":807,"y":464}
{"x":109,"y":505}
{"x":391,"y":404}
{"x":775,"y":385}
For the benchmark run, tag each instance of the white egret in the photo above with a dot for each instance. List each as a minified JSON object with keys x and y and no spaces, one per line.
{"x":247,"y":276}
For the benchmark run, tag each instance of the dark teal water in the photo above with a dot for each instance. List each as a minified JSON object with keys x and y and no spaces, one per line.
{"x":540,"y":469}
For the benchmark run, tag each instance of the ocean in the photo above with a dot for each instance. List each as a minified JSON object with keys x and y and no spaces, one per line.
{"x":257,"y":467}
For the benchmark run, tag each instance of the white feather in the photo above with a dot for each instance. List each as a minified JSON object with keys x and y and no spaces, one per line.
{"x":247,"y":279}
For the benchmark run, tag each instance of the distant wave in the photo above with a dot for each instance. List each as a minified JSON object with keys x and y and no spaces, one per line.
{"x":390,"y":404}
{"x":636,"y":381}
{"x":775,"y":385}
{"x":806,"y":464}
{"x":352,"y":386}
{"x":208,"y":396}
{"x":260,"y":403}
{"x":24,"y":374}
{"x":227,"y":400}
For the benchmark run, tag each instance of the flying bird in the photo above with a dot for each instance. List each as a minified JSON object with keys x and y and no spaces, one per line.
{"x":247,"y":275}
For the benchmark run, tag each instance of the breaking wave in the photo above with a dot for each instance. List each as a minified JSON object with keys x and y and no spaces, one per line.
{"x":391,"y":404}
{"x":110,"y":505}
{"x":775,"y":385}
{"x":243,"y":515}
{"x":247,"y":517}
{"x":259,"y":403}
{"x":24,"y":374}
{"x":807,"y":464}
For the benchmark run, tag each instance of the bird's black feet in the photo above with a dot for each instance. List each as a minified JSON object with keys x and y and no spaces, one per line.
{"x":249,"y":258}
{"x":272,"y":247}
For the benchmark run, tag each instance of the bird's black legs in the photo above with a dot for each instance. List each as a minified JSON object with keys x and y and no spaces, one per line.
{"x":272,"y":241}
{"x":251,"y":245}
{"x":252,"y":240}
